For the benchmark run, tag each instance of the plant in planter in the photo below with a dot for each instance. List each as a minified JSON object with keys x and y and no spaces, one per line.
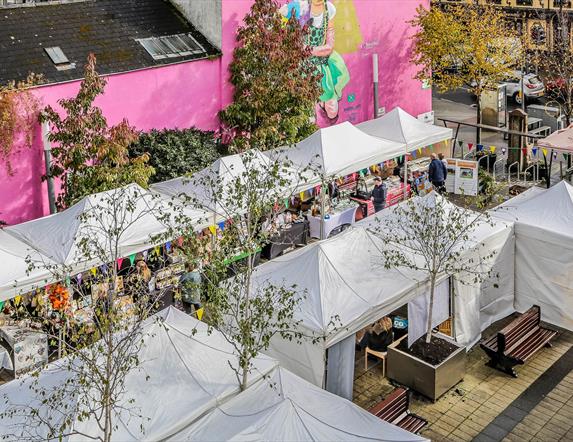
{"x":433,"y":237}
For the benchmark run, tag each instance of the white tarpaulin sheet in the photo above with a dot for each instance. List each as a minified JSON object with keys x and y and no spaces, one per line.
{"x":401,"y":127}
{"x":189,"y":375}
{"x":544,"y":251}
{"x":287,"y":408}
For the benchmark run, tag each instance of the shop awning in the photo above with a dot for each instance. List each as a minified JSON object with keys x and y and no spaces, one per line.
{"x":561,"y":140}
{"x":401,"y":127}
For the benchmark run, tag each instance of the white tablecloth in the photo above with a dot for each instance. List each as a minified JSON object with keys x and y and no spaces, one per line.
{"x":30,"y":347}
{"x":336,"y":219}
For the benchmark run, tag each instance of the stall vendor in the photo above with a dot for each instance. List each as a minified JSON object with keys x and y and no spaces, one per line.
{"x":378,"y":194}
{"x":379,"y":336}
{"x":191,"y":287}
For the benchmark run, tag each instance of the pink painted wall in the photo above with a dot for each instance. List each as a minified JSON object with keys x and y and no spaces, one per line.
{"x":191,"y":94}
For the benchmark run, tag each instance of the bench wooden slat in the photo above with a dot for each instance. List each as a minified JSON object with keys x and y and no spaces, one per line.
{"x":395,"y":409}
{"x":517,"y":341}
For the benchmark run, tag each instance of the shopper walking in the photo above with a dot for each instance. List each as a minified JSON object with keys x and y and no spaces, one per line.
{"x":437,"y":173}
{"x":378,"y":194}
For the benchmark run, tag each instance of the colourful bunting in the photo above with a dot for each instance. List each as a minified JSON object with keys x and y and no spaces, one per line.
{"x":17,"y":300}
{"x":168,"y":246}
{"x":524,"y":151}
{"x":555,"y":155}
{"x":461,"y":143}
{"x":222,"y":225}
{"x":492,"y":149}
{"x":419,"y":151}
{"x":68,"y":281}
{"x":79,"y":278}
{"x":470,"y":146}
{"x":565,"y":156}
{"x":1,"y":306}
{"x":103,"y":268}
{"x":119,"y":263}
{"x":534,"y":151}
{"x":157,"y":250}
{"x":413,"y":154}
{"x":286,"y":203}
{"x":480,"y":147}
{"x":132,"y":258}
{"x":213,"y":229}
{"x":301,"y":196}
{"x":544,"y":151}
{"x":200,"y":313}
{"x":180,"y":241}
{"x":93,"y":271}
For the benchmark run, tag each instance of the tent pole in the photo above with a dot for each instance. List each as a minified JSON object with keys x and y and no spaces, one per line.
{"x":405,"y":176}
{"x":322,"y":207}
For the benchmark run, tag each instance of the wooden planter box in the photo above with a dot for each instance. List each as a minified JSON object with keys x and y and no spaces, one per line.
{"x":430,"y":380}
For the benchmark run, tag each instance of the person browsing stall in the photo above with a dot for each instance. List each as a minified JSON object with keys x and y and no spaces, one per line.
{"x":437,"y":173}
{"x":378,"y":194}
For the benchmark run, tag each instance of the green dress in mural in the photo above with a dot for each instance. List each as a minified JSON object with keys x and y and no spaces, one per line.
{"x":334,"y":72}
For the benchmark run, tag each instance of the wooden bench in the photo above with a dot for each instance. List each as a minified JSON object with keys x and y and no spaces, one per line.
{"x":395,"y":409}
{"x":517,"y":341}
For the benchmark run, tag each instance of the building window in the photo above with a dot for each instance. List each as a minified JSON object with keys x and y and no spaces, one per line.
{"x":171,"y":46}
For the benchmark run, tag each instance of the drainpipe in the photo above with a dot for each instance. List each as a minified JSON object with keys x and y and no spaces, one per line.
{"x":375,"y":82}
{"x":48,"y":161}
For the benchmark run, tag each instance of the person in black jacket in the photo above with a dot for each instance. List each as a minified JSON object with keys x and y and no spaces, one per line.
{"x":378,"y":194}
{"x":437,"y":173}
{"x":378,"y":336}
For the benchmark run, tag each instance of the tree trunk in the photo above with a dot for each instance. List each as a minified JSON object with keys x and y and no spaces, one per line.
{"x":478,"y":118}
{"x":430,"y":309}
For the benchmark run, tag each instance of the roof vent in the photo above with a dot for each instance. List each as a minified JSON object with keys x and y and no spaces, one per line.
{"x":171,"y":46}
{"x":59,"y":58}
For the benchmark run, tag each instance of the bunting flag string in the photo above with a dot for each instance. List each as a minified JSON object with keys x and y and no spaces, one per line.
{"x":301,"y":196}
{"x":68,"y":281}
{"x":534,"y":151}
{"x":565,"y":156}
{"x":157,"y":250}
{"x":555,"y":156}
{"x":213,"y":229}
{"x":168,"y":246}
{"x":103,"y":268}
{"x":413,"y":154}
{"x":93,"y":271}
{"x":470,"y":146}
{"x":221,"y":225}
{"x":132,"y":258}
{"x":1,"y":306}
{"x":119,"y":263}
{"x":286,"y":203}
{"x":524,"y":151}
{"x":419,"y":151}
{"x":480,"y":147}
{"x":492,"y":149}
{"x":79,"y":278}
{"x":180,"y":241}
{"x":200,"y":313}
{"x":544,"y":151}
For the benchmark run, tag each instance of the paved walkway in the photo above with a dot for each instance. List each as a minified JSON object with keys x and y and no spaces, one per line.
{"x":486,"y":395}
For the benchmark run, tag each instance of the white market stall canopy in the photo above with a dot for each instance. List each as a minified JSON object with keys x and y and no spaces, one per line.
{"x":401,"y":127}
{"x":339,"y":150}
{"x":189,"y":375}
{"x":345,"y":287}
{"x":287,"y":408}
{"x":57,"y":243}
{"x":544,"y":250}
{"x":561,"y":140}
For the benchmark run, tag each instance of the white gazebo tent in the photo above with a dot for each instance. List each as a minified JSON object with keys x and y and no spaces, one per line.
{"x":544,"y":251}
{"x":339,"y":150}
{"x":346,"y":288}
{"x":16,"y":276}
{"x":287,"y":408}
{"x":138,"y":214}
{"x":401,"y":127}
{"x":189,"y":375}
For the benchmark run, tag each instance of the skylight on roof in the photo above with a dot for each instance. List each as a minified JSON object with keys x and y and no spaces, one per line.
{"x":59,"y":58}
{"x":171,"y":46}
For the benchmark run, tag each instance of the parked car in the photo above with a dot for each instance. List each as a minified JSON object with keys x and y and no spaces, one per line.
{"x":534,"y":87}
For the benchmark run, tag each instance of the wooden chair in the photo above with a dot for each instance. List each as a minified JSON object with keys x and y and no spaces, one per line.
{"x":379,"y":354}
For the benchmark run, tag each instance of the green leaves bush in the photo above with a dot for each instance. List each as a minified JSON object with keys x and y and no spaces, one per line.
{"x":174,"y":152}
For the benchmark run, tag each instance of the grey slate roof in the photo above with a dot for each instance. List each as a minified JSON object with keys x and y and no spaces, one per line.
{"x":107,"y":28}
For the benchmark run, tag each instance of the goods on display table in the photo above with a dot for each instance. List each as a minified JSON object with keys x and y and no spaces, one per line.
{"x":418,"y":175}
{"x":28,"y":347}
{"x":286,"y":236}
{"x":341,"y":214}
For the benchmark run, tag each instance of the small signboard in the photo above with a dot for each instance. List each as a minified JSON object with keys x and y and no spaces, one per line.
{"x":462,"y":177}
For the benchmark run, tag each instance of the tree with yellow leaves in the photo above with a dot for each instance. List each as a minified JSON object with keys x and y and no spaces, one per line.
{"x":465,"y":45}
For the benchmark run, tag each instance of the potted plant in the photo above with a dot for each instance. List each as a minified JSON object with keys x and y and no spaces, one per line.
{"x":432,"y":237}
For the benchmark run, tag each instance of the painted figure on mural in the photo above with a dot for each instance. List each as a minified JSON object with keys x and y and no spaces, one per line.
{"x":319,"y":16}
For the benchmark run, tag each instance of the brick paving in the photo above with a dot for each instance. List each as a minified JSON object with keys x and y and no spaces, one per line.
{"x":485,"y":394}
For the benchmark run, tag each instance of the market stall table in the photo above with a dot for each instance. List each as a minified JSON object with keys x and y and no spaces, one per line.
{"x":343,"y":214}
{"x":287,"y":236}
{"x":29,"y":347}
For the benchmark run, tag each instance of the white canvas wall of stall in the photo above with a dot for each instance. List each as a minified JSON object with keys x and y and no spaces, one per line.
{"x":543,"y":251}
